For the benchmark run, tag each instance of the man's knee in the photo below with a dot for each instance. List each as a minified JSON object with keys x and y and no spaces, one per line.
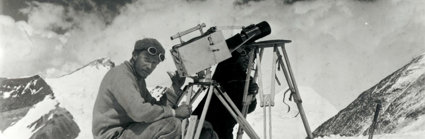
{"x":164,"y":128}
{"x":171,"y":122}
{"x":169,"y":128}
{"x":167,"y":124}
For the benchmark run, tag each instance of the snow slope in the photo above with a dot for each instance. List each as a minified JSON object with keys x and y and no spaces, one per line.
{"x":403,"y":105}
{"x":77,"y":92}
{"x":18,"y":95}
{"x":289,"y":124}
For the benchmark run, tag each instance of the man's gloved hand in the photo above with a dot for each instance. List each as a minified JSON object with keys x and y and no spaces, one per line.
{"x":183,"y":111}
{"x":253,"y":88}
{"x":177,"y":80}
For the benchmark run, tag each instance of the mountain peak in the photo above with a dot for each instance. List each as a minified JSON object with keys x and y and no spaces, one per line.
{"x":402,"y":96}
{"x":419,"y":59}
{"x":97,"y":64}
{"x":106,"y":62}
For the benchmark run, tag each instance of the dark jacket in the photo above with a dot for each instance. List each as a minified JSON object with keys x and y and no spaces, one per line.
{"x":124,"y":99}
{"x":231,"y":75}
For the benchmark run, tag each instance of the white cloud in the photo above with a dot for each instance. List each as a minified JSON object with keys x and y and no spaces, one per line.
{"x":46,"y":16}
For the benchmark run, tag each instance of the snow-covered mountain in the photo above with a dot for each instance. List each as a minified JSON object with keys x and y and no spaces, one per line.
{"x":52,"y":108}
{"x":17,"y":96}
{"x":402,"y":95}
{"x":29,"y":110}
{"x":77,"y":92}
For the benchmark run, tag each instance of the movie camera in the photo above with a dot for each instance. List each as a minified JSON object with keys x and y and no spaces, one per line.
{"x":210,"y":48}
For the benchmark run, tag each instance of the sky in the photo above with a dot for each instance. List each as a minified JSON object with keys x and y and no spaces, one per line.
{"x":340,"y":48}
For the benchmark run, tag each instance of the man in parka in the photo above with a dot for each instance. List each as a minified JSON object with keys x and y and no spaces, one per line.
{"x":124,"y":108}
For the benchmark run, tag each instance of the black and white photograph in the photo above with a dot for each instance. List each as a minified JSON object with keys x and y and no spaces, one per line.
{"x":212,"y":69}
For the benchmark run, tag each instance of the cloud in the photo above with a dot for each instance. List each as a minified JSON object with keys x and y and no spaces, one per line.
{"x":47,"y":17}
{"x":33,"y":47}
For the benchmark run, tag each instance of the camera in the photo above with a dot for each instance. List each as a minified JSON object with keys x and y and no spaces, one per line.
{"x":248,"y":35}
{"x":210,"y":48}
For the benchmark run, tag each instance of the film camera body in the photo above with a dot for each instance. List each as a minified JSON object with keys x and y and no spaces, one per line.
{"x":211,"y":48}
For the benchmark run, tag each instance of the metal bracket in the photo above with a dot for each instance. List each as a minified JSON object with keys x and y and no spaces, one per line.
{"x":181,"y":34}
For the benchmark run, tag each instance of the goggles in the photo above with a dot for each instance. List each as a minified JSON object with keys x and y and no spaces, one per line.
{"x":153,"y":51}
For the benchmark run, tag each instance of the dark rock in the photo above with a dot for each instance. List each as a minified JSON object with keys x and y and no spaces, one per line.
{"x":57,"y":124}
{"x":17,"y":96}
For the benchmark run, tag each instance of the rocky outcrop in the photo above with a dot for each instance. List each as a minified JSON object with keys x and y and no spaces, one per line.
{"x":57,"y":124}
{"x":402,"y":97}
{"x":18,"y":95}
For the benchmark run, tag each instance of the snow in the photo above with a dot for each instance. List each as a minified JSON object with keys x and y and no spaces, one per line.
{"x":7,"y":94}
{"x":35,"y":82}
{"x":318,"y":110}
{"x":157,"y":92}
{"x":417,"y":68}
{"x":27,"y":87}
{"x":17,"y":88}
{"x":289,"y":124}
{"x":418,"y":125}
{"x":77,"y":93}
{"x":33,"y":91}
{"x":408,"y":135}
{"x":20,"y":130}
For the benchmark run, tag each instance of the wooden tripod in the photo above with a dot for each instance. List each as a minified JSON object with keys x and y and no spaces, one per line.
{"x":267,"y":100}
{"x":214,"y":88}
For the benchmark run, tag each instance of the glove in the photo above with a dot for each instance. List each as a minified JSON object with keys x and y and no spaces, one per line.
{"x":177,"y":80}
{"x":253,"y":88}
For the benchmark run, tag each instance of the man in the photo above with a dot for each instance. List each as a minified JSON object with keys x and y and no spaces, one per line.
{"x":231,"y":75}
{"x":124,"y":108}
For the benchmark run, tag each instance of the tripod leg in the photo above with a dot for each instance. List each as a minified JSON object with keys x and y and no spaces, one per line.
{"x":270,"y":122}
{"x":191,"y":126}
{"x":297,"y":98}
{"x":180,"y":98}
{"x":202,"y":88}
{"x":185,"y":122}
{"x":259,"y":59}
{"x":233,"y":110}
{"x":260,"y":78}
{"x":265,"y":121}
{"x":273,"y":79}
{"x":267,"y":116}
{"x":204,"y":112}
{"x":245,"y":102}
{"x":260,"y":89}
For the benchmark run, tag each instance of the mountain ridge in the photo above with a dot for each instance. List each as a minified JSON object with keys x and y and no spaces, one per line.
{"x":56,"y":115}
{"x":356,"y":118}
